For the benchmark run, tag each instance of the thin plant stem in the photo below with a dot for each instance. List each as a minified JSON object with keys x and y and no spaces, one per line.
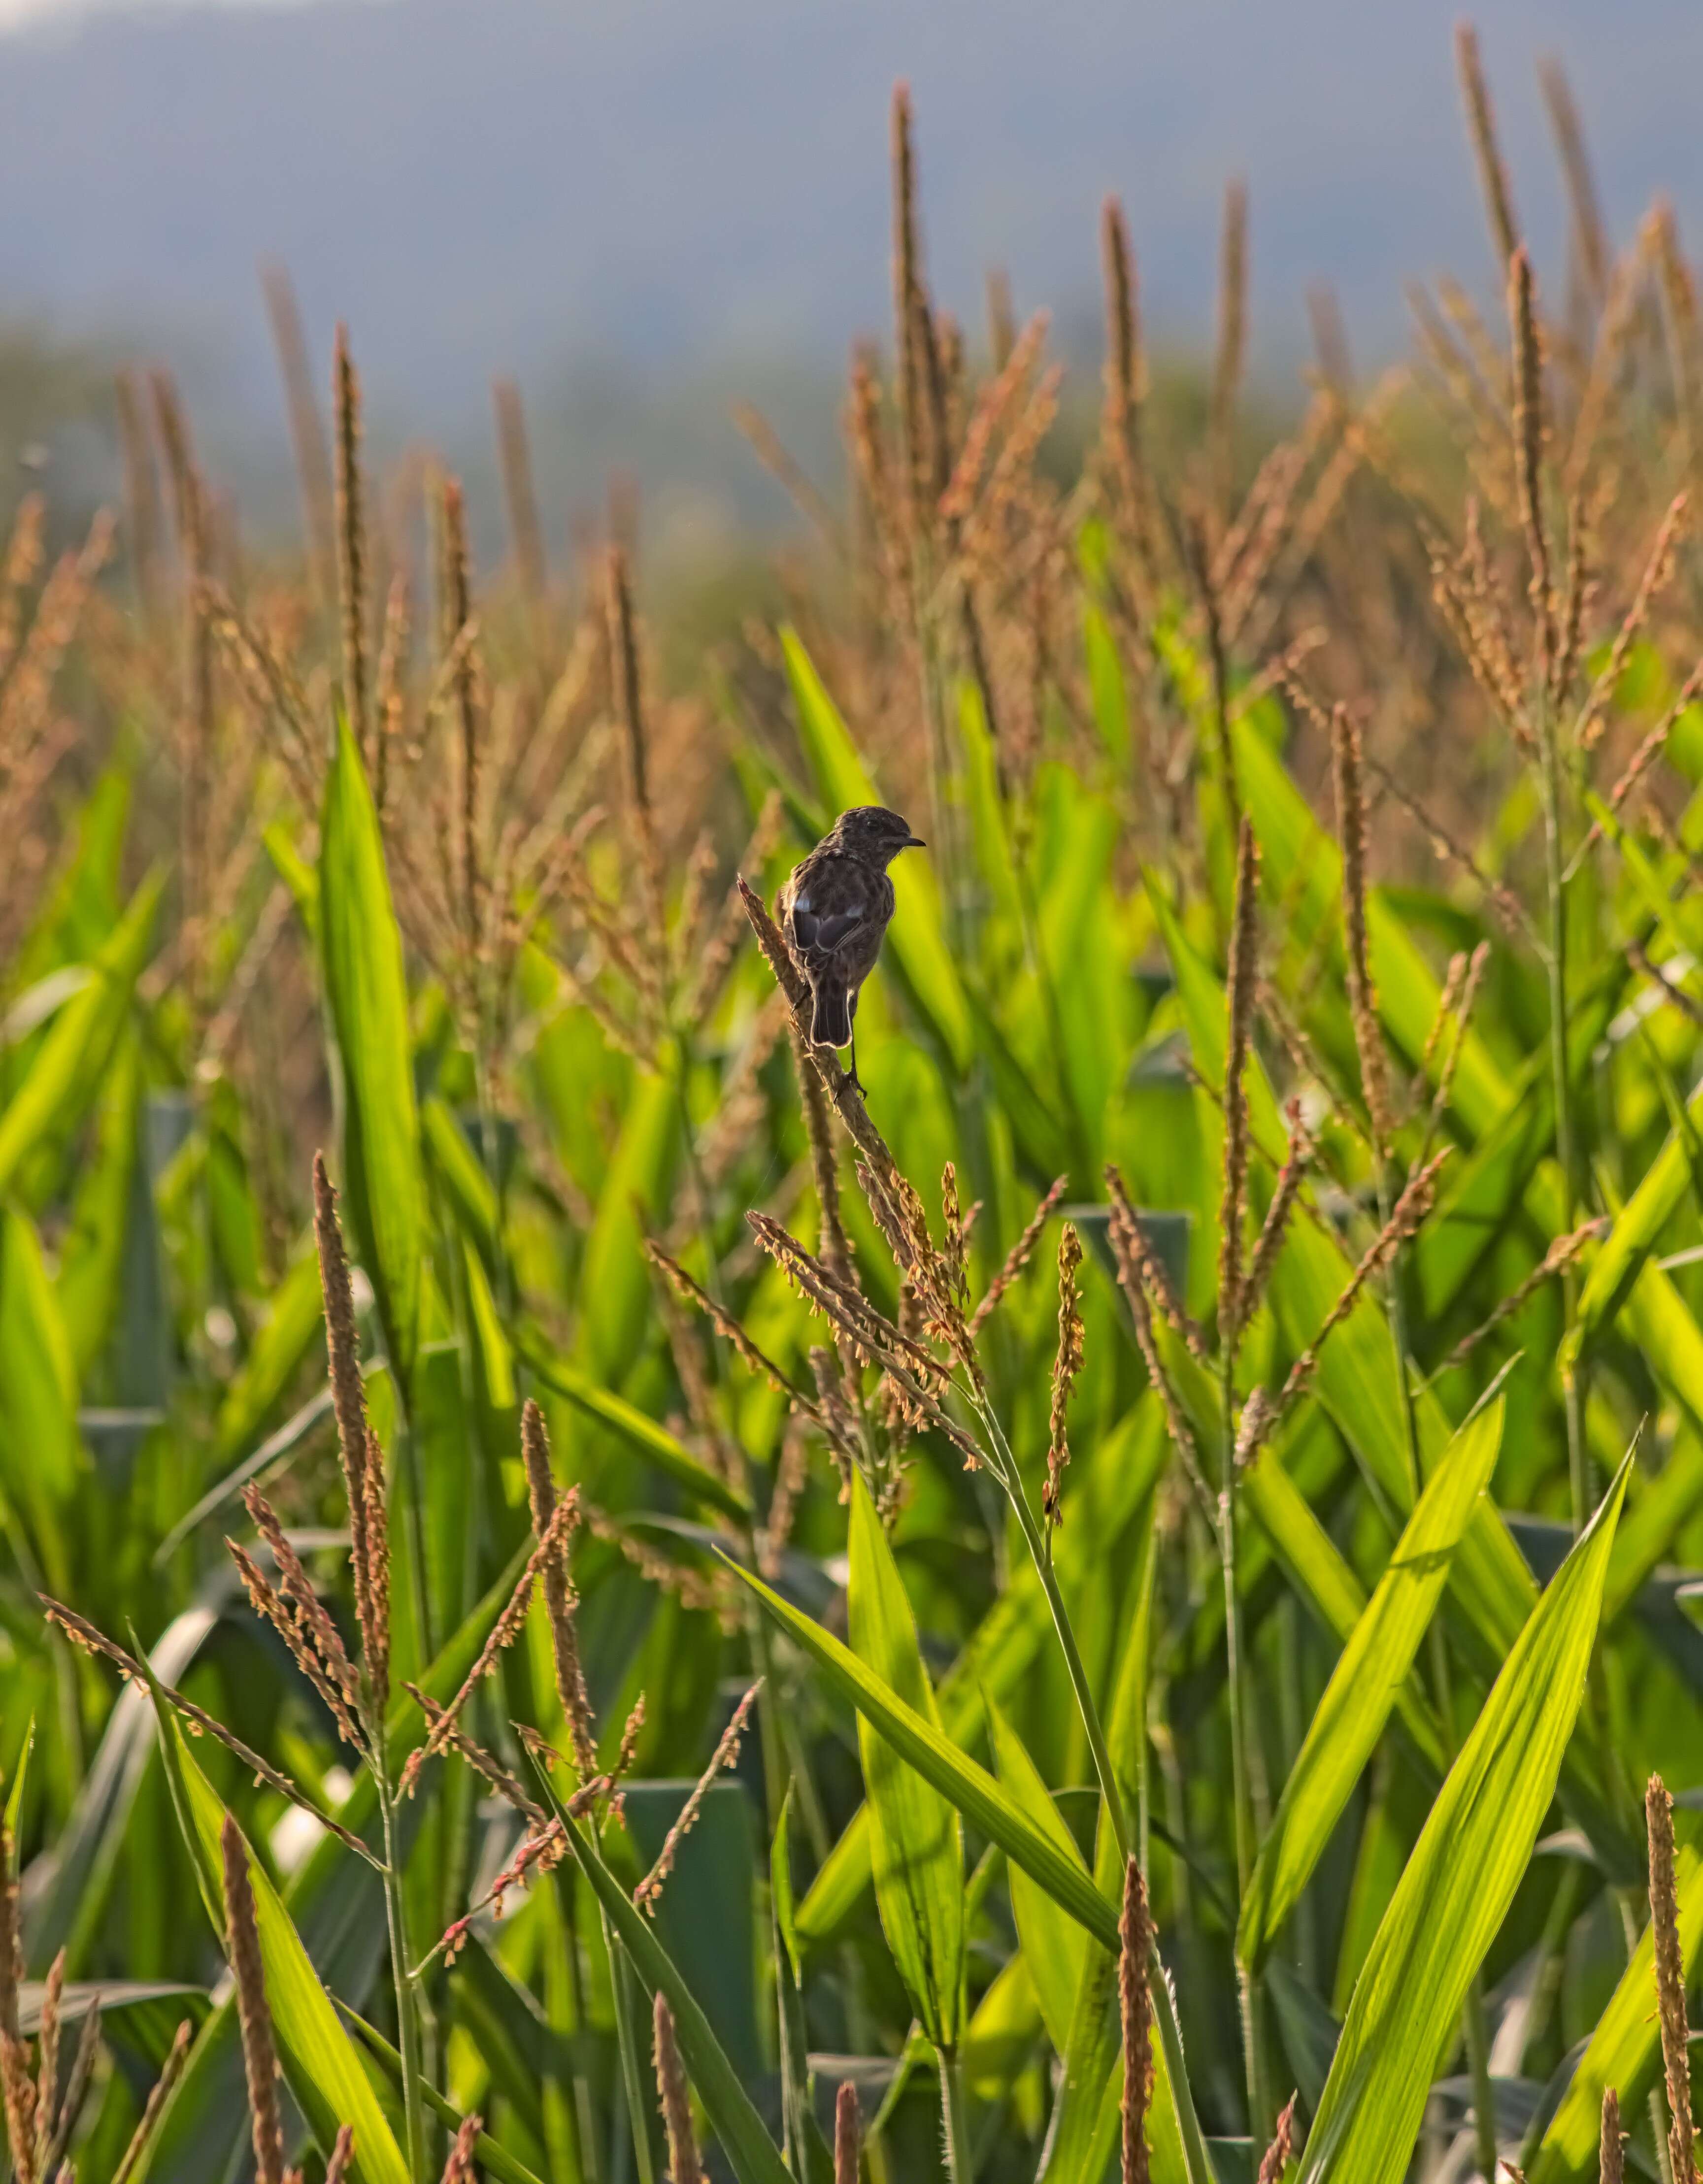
{"x":1484,"y":2092}
{"x":632,"y":2061}
{"x":1259,"y":2120}
{"x":955,"y":2119}
{"x":407,"y":1990}
{"x":1196,"y":2160}
{"x":1572,"y":1386}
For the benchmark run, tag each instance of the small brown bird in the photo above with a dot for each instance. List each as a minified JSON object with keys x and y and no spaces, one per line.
{"x":835,"y":909}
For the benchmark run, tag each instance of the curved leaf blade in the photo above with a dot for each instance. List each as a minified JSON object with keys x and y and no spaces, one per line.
{"x":368,"y":993}
{"x":1458,"y":1884}
{"x":1364,"y":1688}
{"x":918,"y":1840}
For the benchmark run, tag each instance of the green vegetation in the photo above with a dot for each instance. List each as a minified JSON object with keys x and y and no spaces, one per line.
{"x":1115,"y":1609}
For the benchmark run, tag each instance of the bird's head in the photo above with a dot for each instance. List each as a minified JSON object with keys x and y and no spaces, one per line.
{"x":876,"y":834}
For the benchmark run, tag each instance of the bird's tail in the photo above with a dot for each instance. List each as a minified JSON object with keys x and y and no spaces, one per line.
{"x":830,"y":1020}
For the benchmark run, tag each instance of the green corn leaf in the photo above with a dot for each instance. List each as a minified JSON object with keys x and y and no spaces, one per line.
{"x":918,"y":935}
{"x":616,"y":1308}
{"x":320,"y":2065}
{"x":1625,"y":2049}
{"x":992,"y":1664}
{"x":68,"y":1067}
{"x":283,"y":1338}
{"x":1371,"y":1671}
{"x":986,"y":1807}
{"x":40,"y":1458}
{"x":92,"y":1259}
{"x":1458,"y":1884}
{"x":958,"y":1778}
{"x":1054,"y":1944}
{"x":1325,"y":1581}
{"x":751,"y":2153}
{"x":1303,"y":871}
{"x":368,"y":993}
{"x":1622,"y":1255}
{"x":1490,"y":1589}
{"x":917,"y":1841}
{"x":465,"y":1183}
{"x":491,"y":2157}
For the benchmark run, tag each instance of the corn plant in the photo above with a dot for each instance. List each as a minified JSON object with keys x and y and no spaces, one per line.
{"x":586,"y":1599}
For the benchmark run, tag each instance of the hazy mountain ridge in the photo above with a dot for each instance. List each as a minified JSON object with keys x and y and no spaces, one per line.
{"x":512,"y":185}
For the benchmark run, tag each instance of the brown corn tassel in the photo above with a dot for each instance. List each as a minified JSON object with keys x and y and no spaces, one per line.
{"x":349,"y":1399}
{"x":459,"y":2168}
{"x":848,"y":2135}
{"x":1136,"y":1935}
{"x":1066,"y":1365}
{"x":677,"y":2103}
{"x":351,"y":547}
{"x":1528,"y":449}
{"x":1670,"y":1978}
{"x":1240,"y":1002}
{"x":1281,"y":2151}
{"x":558,"y":1594}
{"x":170,"y":2070}
{"x":1611,"y":2158}
{"x":1493,"y":176}
{"x":341,"y":2155}
{"x":259,"y":2059}
{"x":1351,"y":823}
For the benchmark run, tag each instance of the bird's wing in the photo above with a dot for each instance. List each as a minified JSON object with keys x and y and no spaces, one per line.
{"x":828,"y":908}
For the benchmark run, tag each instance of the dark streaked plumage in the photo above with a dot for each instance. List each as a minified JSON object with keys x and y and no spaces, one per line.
{"x":835,"y":909}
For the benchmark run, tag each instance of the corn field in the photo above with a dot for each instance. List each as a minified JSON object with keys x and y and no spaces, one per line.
{"x":584,"y":1599}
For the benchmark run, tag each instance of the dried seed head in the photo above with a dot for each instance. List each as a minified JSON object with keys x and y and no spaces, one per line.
{"x":341,"y":2153}
{"x":1481,"y":121}
{"x":677,"y":2100}
{"x":1066,"y":1365}
{"x":1232,"y":338}
{"x":559,"y":1596}
{"x":503,"y":1632}
{"x":1528,"y":450}
{"x":349,"y":1399}
{"x":1351,"y":824}
{"x":848,"y":2133}
{"x":1611,"y":2155}
{"x":1281,"y":2151}
{"x":351,"y":546}
{"x":726,"y":1753}
{"x":260,"y":2055}
{"x":158,"y":2094}
{"x":1021,"y":1252}
{"x":1242,"y":975}
{"x":1670,"y":1975}
{"x":1134,"y":2002}
{"x":459,"y":2168}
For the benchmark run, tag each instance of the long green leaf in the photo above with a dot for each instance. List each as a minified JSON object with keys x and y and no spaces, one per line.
{"x":67,"y":1069}
{"x":1054,"y":1944}
{"x":751,"y":2153}
{"x":368,"y":993}
{"x":1363,"y":1689}
{"x":1471,"y":1852}
{"x":917,"y":1843}
{"x":958,"y":1778}
{"x":320,"y":2065}
{"x":40,"y":1455}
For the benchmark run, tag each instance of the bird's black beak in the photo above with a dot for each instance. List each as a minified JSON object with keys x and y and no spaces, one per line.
{"x":914,"y":842}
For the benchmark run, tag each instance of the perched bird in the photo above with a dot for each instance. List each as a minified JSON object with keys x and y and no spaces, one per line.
{"x":834,"y":910}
